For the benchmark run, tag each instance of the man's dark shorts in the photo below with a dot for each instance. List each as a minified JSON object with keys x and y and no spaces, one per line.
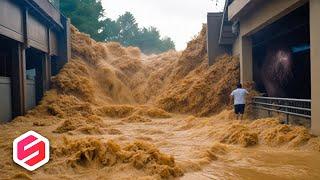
{"x":239,"y":108}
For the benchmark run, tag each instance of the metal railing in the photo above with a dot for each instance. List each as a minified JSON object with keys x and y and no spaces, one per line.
{"x":287,"y":106}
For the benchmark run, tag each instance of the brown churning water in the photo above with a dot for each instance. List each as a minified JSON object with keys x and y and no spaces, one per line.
{"x":114,"y":113}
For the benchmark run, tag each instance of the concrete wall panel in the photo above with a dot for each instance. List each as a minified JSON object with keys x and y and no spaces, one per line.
{"x":236,"y":47}
{"x":30,"y":94}
{"x":53,"y":43}
{"x":237,"y":6}
{"x":315,"y":65}
{"x":37,"y":34}
{"x":246,"y":68}
{"x":266,"y":13}
{"x":11,"y":18}
{"x":5,"y":99}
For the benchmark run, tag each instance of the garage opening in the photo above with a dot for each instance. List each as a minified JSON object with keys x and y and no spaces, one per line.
{"x":281,"y":56}
{"x":5,"y":79}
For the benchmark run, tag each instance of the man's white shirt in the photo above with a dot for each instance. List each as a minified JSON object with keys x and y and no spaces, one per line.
{"x":239,"y":96}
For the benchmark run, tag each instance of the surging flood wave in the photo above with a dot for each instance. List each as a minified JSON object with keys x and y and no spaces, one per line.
{"x":114,"y":112}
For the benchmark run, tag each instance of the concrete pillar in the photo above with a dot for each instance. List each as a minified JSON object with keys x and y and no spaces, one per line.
{"x":245,"y":59}
{"x":49,"y":72}
{"x":46,"y":73}
{"x":315,"y":65}
{"x":18,"y":79}
{"x":64,"y":45}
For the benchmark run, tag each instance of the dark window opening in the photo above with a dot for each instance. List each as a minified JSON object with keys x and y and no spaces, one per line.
{"x":5,"y":57}
{"x":54,"y":65}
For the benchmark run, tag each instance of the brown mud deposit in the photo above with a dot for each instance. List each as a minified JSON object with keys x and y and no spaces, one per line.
{"x":114,"y":113}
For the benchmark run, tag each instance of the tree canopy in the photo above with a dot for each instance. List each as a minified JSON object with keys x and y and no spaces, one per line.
{"x":88,"y":17}
{"x":85,"y":15}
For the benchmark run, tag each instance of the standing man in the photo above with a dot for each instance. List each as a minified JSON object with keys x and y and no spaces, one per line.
{"x":239,"y":99}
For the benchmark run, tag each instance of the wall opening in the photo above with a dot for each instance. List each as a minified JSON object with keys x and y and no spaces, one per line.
{"x":34,"y":76}
{"x":5,"y":57}
{"x":54,"y":65}
{"x":281,"y":56}
{"x":5,"y":79}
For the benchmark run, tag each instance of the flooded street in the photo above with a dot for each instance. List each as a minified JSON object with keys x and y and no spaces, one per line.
{"x":189,"y":147}
{"x":195,"y":144}
{"x":114,"y":113}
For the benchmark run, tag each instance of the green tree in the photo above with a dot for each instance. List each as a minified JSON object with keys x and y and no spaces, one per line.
{"x":129,"y":30}
{"x":167,"y":44}
{"x":110,"y":31}
{"x":86,"y":15}
{"x":149,"y":40}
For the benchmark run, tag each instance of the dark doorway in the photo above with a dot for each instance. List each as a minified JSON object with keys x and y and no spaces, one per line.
{"x":5,"y":79}
{"x":54,"y":65}
{"x":35,"y":72}
{"x":5,"y":56}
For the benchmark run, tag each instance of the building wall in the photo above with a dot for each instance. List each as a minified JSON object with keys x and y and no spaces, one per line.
{"x":32,"y":25}
{"x":5,"y":99}
{"x":37,"y":34}
{"x":263,"y":14}
{"x":236,"y":47}
{"x":213,"y":31}
{"x":237,"y":6}
{"x":37,"y":24}
{"x":53,"y":43}
{"x":315,"y":65}
{"x":266,"y":13}
{"x":13,"y":26}
{"x":31,"y":94}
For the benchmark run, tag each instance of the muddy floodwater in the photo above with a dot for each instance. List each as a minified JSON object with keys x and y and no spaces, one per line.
{"x":195,"y":143}
{"x":115,"y":113}
{"x":172,"y":137}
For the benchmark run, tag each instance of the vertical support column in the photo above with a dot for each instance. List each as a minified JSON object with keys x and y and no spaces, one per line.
{"x":68,"y":39}
{"x":246,"y":59}
{"x":48,"y":60}
{"x":49,"y":40}
{"x":25,"y":27}
{"x":46,"y":72}
{"x":64,"y":45}
{"x":18,"y":79}
{"x":315,"y":65}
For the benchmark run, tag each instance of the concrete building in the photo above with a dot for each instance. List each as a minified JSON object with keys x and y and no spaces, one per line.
{"x":278,"y":44}
{"x":34,"y":44}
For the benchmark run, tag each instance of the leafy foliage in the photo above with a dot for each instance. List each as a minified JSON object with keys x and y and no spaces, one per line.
{"x":85,"y":15}
{"x":88,"y":17}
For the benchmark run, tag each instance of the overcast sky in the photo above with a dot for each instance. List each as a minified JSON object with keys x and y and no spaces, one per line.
{"x":178,"y":19}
